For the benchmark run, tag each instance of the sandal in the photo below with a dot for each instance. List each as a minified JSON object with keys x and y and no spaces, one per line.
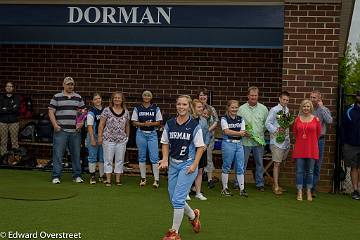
{"x":299,"y":196}
{"x":279,"y":188}
{"x":309,"y":196}
{"x":277,"y":191}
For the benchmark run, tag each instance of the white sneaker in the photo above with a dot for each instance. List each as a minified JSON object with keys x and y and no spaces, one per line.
{"x":200,"y":196}
{"x":142,"y":182}
{"x":156,"y":184}
{"x":188,"y":198}
{"x":56,"y":181}
{"x":78,"y":180}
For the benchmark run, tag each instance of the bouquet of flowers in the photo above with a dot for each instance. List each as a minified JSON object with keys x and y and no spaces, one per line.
{"x":259,"y":140}
{"x":81,"y":116}
{"x":285,"y":120}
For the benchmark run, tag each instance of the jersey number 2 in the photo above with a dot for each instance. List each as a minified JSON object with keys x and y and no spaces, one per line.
{"x":183,"y":149}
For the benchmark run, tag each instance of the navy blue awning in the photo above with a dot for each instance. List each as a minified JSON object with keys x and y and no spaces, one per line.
{"x":170,"y":26}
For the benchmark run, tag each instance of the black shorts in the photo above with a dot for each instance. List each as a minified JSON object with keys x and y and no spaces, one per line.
{"x":352,"y":156}
{"x":203,"y":160}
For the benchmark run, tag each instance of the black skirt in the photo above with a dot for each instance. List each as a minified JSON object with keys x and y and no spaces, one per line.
{"x":203,"y":160}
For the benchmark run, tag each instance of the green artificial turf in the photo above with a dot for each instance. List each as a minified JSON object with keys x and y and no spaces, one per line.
{"x":130,"y":212}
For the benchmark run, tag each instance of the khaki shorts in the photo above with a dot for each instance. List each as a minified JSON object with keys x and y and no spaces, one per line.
{"x":278,"y":154}
{"x":352,"y":156}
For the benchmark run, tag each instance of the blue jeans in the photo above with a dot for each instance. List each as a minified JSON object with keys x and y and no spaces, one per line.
{"x":61,"y":140}
{"x":304,"y":172}
{"x":232,"y":152}
{"x":317,"y":166}
{"x":95,"y":153}
{"x":258,"y":153}
{"x":144,"y":141}
{"x":179,"y":182}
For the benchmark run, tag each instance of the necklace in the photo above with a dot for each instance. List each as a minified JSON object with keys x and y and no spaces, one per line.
{"x":304,"y":130}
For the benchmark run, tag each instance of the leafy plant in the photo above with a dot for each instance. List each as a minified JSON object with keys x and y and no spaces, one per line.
{"x":250,"y":130}
{"x":285,"y":120}
{"x":349,"y":71}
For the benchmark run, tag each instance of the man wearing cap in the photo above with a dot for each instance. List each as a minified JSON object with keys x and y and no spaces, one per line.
{"x":350,"y":133}
{"x":63,"y":109}
{"x":324,"y":115}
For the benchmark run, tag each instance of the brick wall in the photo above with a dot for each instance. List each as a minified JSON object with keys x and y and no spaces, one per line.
{"x":167,"y":72}
{"x":310,"y":62}
{"x":38,"y":71}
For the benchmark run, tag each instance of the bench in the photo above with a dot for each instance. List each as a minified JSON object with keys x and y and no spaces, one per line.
{"x":267,"y":159}
{"x":26,"y":143}
{"x":131,"y":156}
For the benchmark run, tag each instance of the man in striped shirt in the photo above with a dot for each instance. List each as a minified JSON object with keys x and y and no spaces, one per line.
{"x":63,"y":109}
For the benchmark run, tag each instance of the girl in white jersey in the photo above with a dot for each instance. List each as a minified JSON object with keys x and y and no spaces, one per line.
{"x":146,"y":117}
{"x":233,"y":128}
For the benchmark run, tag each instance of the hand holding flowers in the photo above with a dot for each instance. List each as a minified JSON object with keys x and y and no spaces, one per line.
{"x":285,"y":120}
{"x":80,"y":117}
{"x":250,"y":133}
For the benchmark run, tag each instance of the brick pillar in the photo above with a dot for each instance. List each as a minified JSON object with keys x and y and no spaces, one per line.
{"x":310,"y":61}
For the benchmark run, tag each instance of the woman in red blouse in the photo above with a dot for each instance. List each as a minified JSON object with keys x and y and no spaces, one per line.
{"x":306,"y":131}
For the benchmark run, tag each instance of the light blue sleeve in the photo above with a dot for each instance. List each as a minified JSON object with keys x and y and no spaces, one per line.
{"x":326,"y":115}
{"x":270,"y":121}
{"x":206,"y":133}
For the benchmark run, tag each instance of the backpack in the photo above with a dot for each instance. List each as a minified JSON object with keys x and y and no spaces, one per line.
{"x":20,"y":158}
{"x":44,"y":129}
{"x":27,"y":133}
{"x":25,"y":107}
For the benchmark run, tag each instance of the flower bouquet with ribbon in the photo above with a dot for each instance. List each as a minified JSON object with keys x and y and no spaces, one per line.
{"x":285,"y":120}
{"x":259,"y":140}
{"x":81,"y":114}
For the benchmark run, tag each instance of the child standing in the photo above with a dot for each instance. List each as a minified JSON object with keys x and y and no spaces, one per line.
{"x":95,"y":150}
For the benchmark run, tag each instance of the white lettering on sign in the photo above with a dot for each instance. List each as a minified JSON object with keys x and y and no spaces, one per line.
{"x":87,"y":15}
{"x":120,"y":15}
{"x":126,"y":16}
